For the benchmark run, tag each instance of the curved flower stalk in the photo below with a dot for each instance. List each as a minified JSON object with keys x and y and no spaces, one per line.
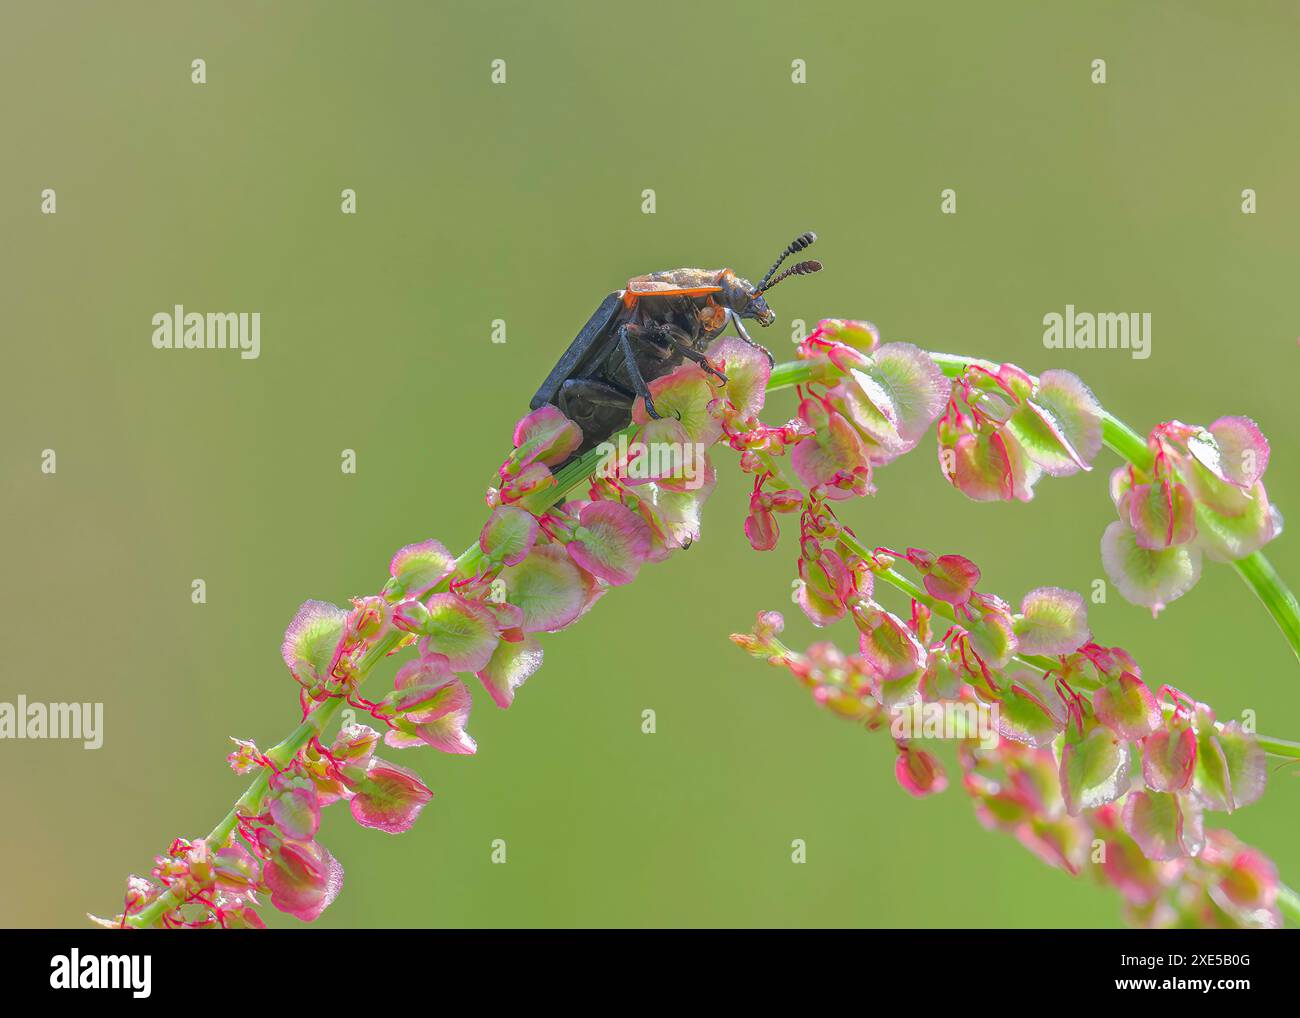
{"x":562,"y":530}
{"x":555,"y":540}
{"x":1231,"y":525}
{"x":1073,"y":754}
{"x":1198,"y":491}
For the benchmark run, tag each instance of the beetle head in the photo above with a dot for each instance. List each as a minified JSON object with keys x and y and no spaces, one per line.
{"x":742,"y":297}
{"x":753,"y":305}
{"x":759,"y":311}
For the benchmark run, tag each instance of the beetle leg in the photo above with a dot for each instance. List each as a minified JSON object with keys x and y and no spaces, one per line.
{"x":670,"y":333}
{"x":625,"y":332}
{"x":597,"y":407}
{"x":771,"y":361}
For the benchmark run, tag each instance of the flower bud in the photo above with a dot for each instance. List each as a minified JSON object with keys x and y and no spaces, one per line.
{"x":919,"y":773}
{"x":411,"y":616}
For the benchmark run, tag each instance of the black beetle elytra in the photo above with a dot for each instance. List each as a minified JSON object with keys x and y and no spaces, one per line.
{"x":646,"y":330}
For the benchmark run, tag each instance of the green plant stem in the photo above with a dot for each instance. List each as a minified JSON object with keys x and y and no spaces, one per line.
{"x":1260,"y":576}
{"x":1289,"y":902}
{"x":1254,"y":569}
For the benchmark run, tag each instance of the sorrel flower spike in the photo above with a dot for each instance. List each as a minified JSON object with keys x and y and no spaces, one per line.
{"x":1082,"y":748}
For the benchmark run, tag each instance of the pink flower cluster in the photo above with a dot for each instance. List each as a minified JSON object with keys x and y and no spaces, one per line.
{"x":1002,"y":430}
{"x":1203,"y":495}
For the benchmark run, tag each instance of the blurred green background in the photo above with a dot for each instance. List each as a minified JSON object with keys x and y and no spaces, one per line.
{"x":522,"y":202}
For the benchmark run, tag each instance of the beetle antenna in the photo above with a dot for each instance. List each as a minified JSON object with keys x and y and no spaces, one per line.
{"x":798,"y":244}
{"x":801,"y":269}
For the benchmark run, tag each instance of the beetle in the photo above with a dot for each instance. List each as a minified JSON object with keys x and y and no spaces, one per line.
{"x":647,"y":330}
